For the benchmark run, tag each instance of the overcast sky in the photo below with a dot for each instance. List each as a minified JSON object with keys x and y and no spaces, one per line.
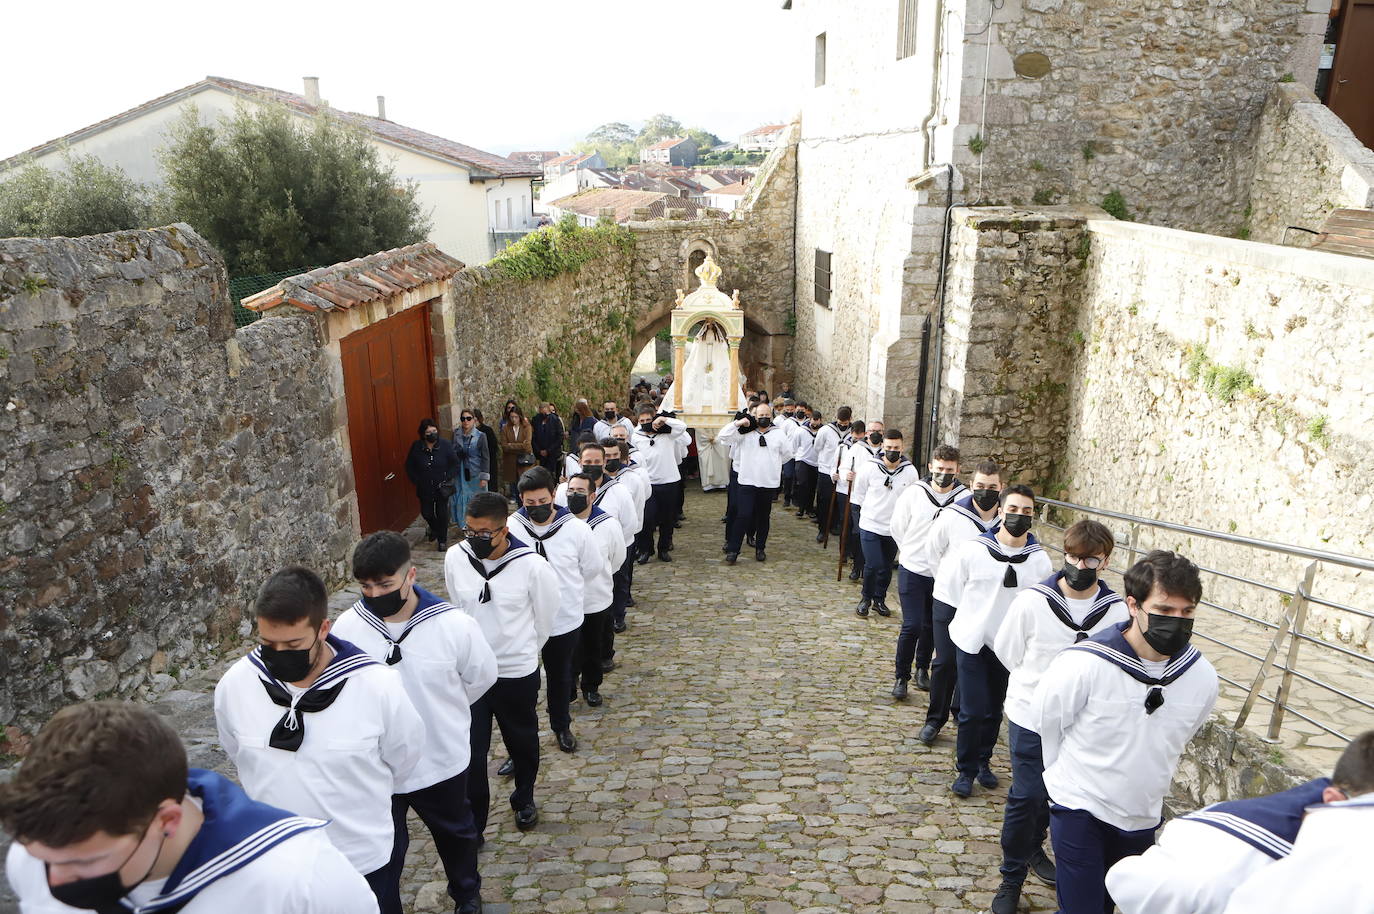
{"x":536,"y":74}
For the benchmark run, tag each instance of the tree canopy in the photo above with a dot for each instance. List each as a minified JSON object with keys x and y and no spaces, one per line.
{"x":272,"y":191}
{"x":620,"y":145}
{"x":86,"y":197}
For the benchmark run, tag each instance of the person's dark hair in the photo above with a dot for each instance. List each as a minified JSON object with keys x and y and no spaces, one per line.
{"x":291,"y":595}
{"x":591,"y":445}
{"x":624,"y":447}
{"x":536,"y":478}
{"x":516,"y":411}
{"x":763,"y":395}
{"x":424,"y":424}
{"x":478,"y":413}
{"x":844,"y":414}
{"x":754,"y":401}
{"x":488,"y":506}
{"x":591,"y":483}
{"x":585,"y":439}
{"x":945,"y":452}
{"x":856,"y":427}
{"x":988,"y":468}
{"x":1171,"y":572}
{"x":645,"y":409}
{"x":892,"y":434}
{"x":1019,"y":489}
{"x":582,"y":409}
{"x":1354,"y":772}
{"x":1088,"y":537}
{"x":102,"y":766}
{"x":610,"y":441}
{"x":380,"y":555}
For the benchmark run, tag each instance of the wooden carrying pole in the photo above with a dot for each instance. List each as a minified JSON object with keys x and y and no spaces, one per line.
{"x":834,"y":498}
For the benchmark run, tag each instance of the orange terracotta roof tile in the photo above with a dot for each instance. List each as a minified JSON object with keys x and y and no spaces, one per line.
{"x":355,"y":282}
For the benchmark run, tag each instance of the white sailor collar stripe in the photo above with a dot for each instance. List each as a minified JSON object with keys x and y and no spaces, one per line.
{"x":1257,"y":836}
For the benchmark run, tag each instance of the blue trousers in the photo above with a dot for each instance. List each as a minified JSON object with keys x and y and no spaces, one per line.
{"x":982,"y":690}
{"x":944,"y":677}
{"x":511,"y":703}
{"x":854,"y":548}
{"x":916,"y":593}
{"x":789,"y":479}
{"x":458,"y":504}
{"x":1084,"y":849}
{"x":752,"y":507}
{"x":1027,"y":814}
{"x":445,"y":810}
{"x":879,"y":553}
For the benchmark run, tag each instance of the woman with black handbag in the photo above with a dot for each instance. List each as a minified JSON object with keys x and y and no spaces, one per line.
{"x":517,"y":447}
{"x":432,"y":465}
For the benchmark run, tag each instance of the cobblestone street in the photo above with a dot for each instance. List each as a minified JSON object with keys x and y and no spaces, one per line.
{"x":747,"y":759}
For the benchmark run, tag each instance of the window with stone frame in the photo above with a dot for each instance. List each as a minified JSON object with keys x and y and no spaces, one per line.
{"x":820,"y":59}
{"x":822,"y":279}
{"x":906,"y":28}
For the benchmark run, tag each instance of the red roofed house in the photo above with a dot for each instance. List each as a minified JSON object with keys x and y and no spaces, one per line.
{"x":477,"y":200}
{"x":761,"y":139}
{"x":562,"y":165}
{"x":675,"y":150}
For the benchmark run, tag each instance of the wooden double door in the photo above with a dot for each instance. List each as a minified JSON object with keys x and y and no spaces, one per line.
{"x":388,"y":371}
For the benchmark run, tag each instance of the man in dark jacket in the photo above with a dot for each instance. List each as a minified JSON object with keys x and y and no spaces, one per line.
{"x":548,"y":438}
{"x":432,"y":464}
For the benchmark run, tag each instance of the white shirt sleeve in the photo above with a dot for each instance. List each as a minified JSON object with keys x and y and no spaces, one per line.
{"x":328,"y":884}
{"x":591,"y":560}
{"x":477,"y":667}
{"x":226,"y":733}
{"x":1061,"y":695}
{"x":729,"y":434}
{"x":901,"y":515}
{"x":951,"y":577}
{"x":544,"y":598}
{"x":1010,"y":642}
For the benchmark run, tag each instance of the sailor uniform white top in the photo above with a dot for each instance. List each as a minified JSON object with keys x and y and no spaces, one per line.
{"x":1105,"y":751}
{"x":912,"y":517}
{"x":857,"y":456}
{"x":571,"y":549}
{"x":1328,"y":870}
{"x":1039,"y":624}
{"x":973,"y":581}
{"x":514,"y":604}
{"x":683,"y":443}
{"x":633,"y":475}
{"x":828,"y":441}
{"x":602,"y":429}
{"x":1200,"y":859}
{"x":957,"y":522}
{"x":760,"y":453}
{"x":805,"y":444}
{"x":354,"y":754}
{"x":571,"y":466}
{"x":658,"y":452}
{"x":445,"y":667}
{"x":246,"y":857}
{"x":880,"y":486}
{"x":615,"y":496}
{"x":597,"y":589}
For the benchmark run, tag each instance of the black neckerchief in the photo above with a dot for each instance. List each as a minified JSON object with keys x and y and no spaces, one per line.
{"x":892,"y":473}
{"x":289,"y":733}
{"x":560,"y":518}
{"x":1102,"y":603}
{"x":994,"y":547}
{"x":1111,"y":645}
{"x":515,"y":550}
{"x":421,"y":614}
{"x":934,"y":497}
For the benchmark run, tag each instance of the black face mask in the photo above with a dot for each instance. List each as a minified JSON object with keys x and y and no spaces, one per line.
{"x":1017,"y":524}
{"x":100,"y":893}
{"x":592,"y":471}
{"x":577,"y":502}
{"x":608,"y":415}
{"x":432,"y":435}
{"x":386,"y":605}
{"x":646,"y":427}
{"x":942,"y":480}
{"x":986,"y":499}
{"x":539,"y":513}
{"x":482,"y":548}
{"x":1168,"y":634}
{"x":892,"y":456}
{"x":875,"y":438}
{"x":288,"y":666}
{"x":764,"y":421}
{"x":1079,"y":578}
{"x":614,"y":466}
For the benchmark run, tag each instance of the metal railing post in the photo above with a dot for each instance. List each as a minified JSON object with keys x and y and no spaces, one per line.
{"x":1132,"y":541}
{"x":1299,"y":616}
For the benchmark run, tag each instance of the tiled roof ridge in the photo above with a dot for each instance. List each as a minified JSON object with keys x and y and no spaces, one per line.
{"x":343,"y":285}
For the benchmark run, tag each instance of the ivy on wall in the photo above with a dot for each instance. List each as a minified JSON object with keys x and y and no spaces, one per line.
{"x":564,"y":247}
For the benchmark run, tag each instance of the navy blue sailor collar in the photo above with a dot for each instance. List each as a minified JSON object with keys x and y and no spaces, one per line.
{"x":1111,"y":645}
{"x":515,"y":549}
{"x":1270,"y":823}
{"x":235,"y":832}
{"x":1102,"y":603}
{"x":427,"y":606}
{"x":597,"y":517}
{"x":935,"y":497}
{"x":894,"y":472}
{"x":348,"y":659}
{"x":964,"y":506}
{"x":561,"y":516}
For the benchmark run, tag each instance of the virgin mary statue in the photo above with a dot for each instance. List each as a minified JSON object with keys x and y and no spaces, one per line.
{"x":705,"y":384}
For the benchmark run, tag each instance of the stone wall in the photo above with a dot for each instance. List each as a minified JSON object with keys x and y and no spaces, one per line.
{"x":1307,"y":164}
{"x":143,"y":487}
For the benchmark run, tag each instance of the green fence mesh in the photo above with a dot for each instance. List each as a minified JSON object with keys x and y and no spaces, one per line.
{"x":240,"y":287}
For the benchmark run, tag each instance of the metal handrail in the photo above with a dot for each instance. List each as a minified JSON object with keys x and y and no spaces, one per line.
{"x":1279,"y":658}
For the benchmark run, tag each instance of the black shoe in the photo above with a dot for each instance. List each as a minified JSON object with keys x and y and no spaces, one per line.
{"x":987,"y":778}
{"x":881,"y":609}
{"x":527,"y":818}
{"x":672,"y":547}
{"x":1007,"y":898}
{"x":748,"y":539}
{"x":899,"y":690}
{"x":820,"y":537}
{"x":566,"y":741}
{"x":962,"y":786}
{"x":725,"y":548}
{"x":644,"y":559}
{"x":629,"y":601}
{"x":593,"y":699}
{"x":618,"y":626}
{"x":928,"y":734}
{"x":607,"y":665}
{"x":760,"y":555}
{"x":677,"y":524}
{"x":663,"y":555}
{"x":725,"y":518}
{"x":443,"y":546}
{"x":862,"y":609}
{"x":507,"y":769}
{"x":1042,"y":867}
{"x":811,"y":515}
{"x":429,"y":536}
{"x":923,"y":680}
{"x":787,"y":502}
{"x":471,"y":906}
{"x":856,"y":575}
{"x":801,"y":513}
{"x":731,"y":558}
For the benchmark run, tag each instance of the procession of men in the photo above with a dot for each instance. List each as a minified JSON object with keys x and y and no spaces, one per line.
{"x":340,"y":728}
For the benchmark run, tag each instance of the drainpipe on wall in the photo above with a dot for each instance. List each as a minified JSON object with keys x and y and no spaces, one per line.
{"x":940,"y":305}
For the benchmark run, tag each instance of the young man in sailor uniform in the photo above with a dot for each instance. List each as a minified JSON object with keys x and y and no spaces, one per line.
{"x":979,"y":578}
{"x":610,"y":416}
{"x":513,"y":594}
{"x":598,"y":590}
{"x":573,"y":553}
{"x":656,"y":443}
{"x":1114,"y":714}
{"x":621,"y":467}
{"x":787,"y":422}
{"x":1069,"y":606}
{"x":445,"y":665}
{"x":613,"y":496}
{"x":858,"y":456}
{"x":762,"y":448}
{"x":312,"y":722}
{"x":828,"y":442}
{"x":912,"y":517}
{"x":157,"y":836}
{"x":804,"y":445}
{"x":882,"y":483}
{"x":964,"y":518}
{"x":1328,"y":867}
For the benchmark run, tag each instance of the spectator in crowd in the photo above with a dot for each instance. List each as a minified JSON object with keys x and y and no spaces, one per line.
{"x":474,"y":464}
{"x":493,"y":452}
{"x":517,"y":446}
{"x":432,"y":466}
{"x":548,"y":437}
